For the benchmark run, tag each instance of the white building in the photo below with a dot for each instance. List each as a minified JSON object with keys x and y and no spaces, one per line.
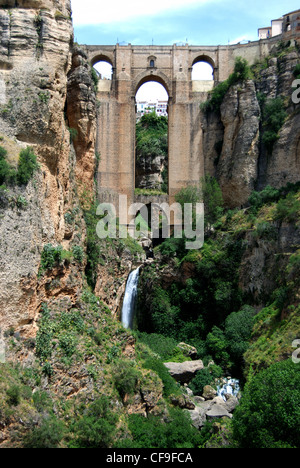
{"x":145,"y":107}
{"x":271,"y":31}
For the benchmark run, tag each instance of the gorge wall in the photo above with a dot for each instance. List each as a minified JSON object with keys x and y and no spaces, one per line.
{"x":233,"y":145}
{"x":35,"y":58}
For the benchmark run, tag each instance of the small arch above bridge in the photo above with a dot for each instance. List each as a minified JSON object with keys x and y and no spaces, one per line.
{"x":101,"y":58}
{"x":204,"y":58}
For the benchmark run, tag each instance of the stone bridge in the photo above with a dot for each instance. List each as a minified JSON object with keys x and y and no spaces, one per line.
{"x":170,"y":66}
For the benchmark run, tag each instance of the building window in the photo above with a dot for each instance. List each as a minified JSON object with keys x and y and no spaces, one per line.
{"x":152,"y":63}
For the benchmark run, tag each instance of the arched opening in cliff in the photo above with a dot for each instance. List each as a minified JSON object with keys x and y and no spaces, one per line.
{"x":152,"y":224}
{"x":151,"y":149}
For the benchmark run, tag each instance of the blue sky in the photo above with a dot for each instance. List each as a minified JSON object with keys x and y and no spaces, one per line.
{"x":165,"y":22}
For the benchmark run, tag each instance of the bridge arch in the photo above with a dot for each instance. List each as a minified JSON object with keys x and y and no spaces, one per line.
{"x":204,"y":58}
{"x":205,"y":64}
{"x":147,"y":77}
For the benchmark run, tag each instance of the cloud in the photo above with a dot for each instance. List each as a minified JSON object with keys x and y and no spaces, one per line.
{"x":244,"y":38}
{"x":92,"y":12}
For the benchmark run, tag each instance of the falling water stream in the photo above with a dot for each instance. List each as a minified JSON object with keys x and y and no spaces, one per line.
{"x":130,"y":299}
{"x":228,"y":386}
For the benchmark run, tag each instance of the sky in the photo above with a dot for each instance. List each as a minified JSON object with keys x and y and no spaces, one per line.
{"x":167,"y":22}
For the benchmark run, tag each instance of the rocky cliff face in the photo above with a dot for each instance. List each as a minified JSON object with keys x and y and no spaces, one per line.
{"x":233,"y":138}
{"x":35,"y":57}
{"x":149,"y":172}
{"x":81,"y":114}
{"x":237,"y":166}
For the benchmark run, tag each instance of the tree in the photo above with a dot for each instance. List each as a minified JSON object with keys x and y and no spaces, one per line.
{"x":47,"y":435}
{"x":97,"y":426}
{"x":7,"y":173}
{"x":27,"y":165}
{"x":213,"y":200}
{"x":269,"y":412}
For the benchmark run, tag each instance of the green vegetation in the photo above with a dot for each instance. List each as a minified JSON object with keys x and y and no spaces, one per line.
{"x":149,"y":192}
{"x":95,"y":79}
{"x":152,"y":141}
{"x":54,"y":256}
{"x":213,"y":200}
{"x":27,"y":165}
{"x":73,"y":134}
{"x":205,"y":377}
{"x":241,"y":73}
{"x":47,"y":435}
{"x":164,"y":346}
{"x":296,"y":71}
{"x":270,"y":195}
{"x":274,"y":116}
{"x":7,"y":173}
{"x":96,"y":428}
{"x":177,"y":433}
{"x":269,"y":413}
{"x":213,"y":290}
{"x":126,"y":378}
{"x":208,"y":310}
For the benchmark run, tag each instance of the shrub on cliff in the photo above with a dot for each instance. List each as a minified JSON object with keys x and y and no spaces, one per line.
{"x":7,"y":173}
{"x":96,"y":428}
{"x":150,"y":432}
{"x":274,"y":116}
{"x":125,"y":377}
{"x":288,"y":209}
{"x":48,"y":434}
{"x":241,"y":73}
{"x":296,"y":72}
{"x":27,"y":165}
{"x":212,"y":199}
{"x":51,"y":256}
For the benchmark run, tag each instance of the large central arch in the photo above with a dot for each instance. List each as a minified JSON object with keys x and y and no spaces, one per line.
{"x":147,"y":77}
{"x":151,"y":162}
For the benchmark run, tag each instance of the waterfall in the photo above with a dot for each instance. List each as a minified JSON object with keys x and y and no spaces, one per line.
{"x":228,"y":386}
{"x":130,"y":298}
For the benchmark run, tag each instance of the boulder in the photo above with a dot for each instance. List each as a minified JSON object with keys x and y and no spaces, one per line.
{"x":198,"y":418}
{"x":183,"y":401}
{"x":231,"y":402}
{"x":218,"y":411}
{"x":209,"y":393}
{"x":188,"y":350}
{"x":184,"y":372}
